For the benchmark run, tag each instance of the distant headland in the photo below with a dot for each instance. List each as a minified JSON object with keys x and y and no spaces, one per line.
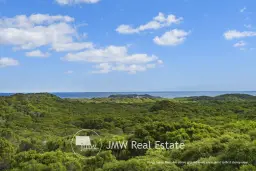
{"x":133,"y":96}
{"x":191,"y":96}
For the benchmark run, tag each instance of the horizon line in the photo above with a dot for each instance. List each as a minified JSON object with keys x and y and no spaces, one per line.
{"x":160,"y":91}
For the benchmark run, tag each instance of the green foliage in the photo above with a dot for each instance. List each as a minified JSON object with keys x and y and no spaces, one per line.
{"x":36,"y":131}
{"x":6,"y":153}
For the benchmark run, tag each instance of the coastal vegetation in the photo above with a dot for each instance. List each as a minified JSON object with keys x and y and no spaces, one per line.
{"x":219,"y":133}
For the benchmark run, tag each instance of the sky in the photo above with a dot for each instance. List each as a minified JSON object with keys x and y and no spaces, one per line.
{"x":128,"y":45}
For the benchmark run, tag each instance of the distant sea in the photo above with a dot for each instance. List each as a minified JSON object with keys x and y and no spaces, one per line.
{"x":166,"y":94}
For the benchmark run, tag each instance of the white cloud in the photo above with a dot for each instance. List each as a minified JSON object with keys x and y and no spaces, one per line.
{"x":109,"y":54}
{"x":126,"y":29}
{"x":243,"y":9}
{"x":72,"y":46}
{"x":70,"y":2}
{"x":69,"y":72}
{"x":37,"y":53}
{"x":158,"y":22}
{"x":133,"y":68}
{"x":240,"y":44}
{"x":234,"y":34}
{"x":30,"y":32}
{"x":160,"y":62}
{"x":58,"y":33}
{"x":23,"y":21}
{"x":171,"y":38}
{"x":5,"y":62}
{"x":114,"y":58}
{"x":104,"y":68}
{"x":38,"y":36}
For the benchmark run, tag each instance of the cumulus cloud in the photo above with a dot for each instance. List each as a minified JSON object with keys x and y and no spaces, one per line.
{"x":37,"y":53}
{"x":70,"y":2}
{"x":74,"y":46}
{"x":104,"y":68}
{"x":58,"y":33}
{"x":158,"y":22}
{"x":171,"y":38}
{"x":134,"y":68}
{"x":23,"y":21}
{"x":30,"y":32}
{"x":35,"y":37}
{"x":5,"y":62}
{"x":109,"y":54}
{"x":234,"y":34}
{"x":240,"y":44}
{"x":114,"y":58}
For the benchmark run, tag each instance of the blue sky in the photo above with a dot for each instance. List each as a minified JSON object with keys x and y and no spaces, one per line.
{"x":128,"y":45}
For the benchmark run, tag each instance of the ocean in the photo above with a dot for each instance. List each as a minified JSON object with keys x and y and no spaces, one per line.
{"x":166,"y":94}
